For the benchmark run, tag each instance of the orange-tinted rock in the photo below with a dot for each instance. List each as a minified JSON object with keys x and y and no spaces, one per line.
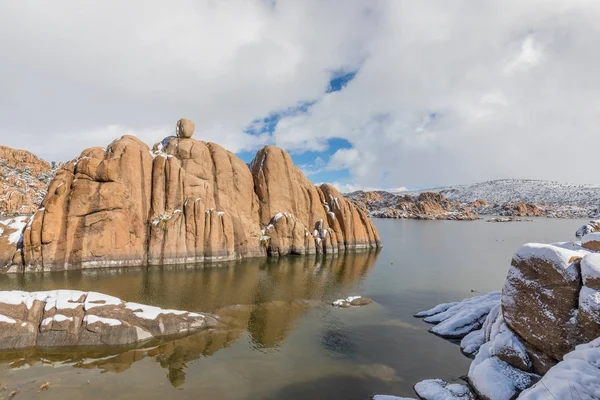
{"x":96,"y":210}
{"x":186,"y":201}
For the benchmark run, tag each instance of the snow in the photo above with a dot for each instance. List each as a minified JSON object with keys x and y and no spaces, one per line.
{"x":503,"y":341}
{"x":576,"y":377}
{"x":8,"y":320}
{"x":92,"y":319}
{"x":590,"y":267}
{"x":558,"y":256}
{"x":471,"y":343}
{"x":591,"y":237}
{"x":278,"y":215}
{"x":16,"y":224}
{"x":522,"y":190}
{"x":435,"y":310}
{"x":345,"y":302}
{"x":61,"y":299}
{"x":388,"y":397}
{"x":587,"y":228}
{"x":589,"y":301}
{"x":459,"y":319}
{"x":95,"y":299}
{"x":437,"y":389}
{"x":56,"y":318}
{"x":150,"y":312}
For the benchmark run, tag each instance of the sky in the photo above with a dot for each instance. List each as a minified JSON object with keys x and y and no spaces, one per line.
{"x":373,"y":94}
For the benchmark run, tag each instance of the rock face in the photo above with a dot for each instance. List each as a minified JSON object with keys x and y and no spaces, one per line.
{"x":427,"y":205}
{"x":62,"y":318}
{"x":185,"y":201}
{"x":23,"y":181}
{"x":551,"y":300}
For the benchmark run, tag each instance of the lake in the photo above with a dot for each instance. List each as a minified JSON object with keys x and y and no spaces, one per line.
{"x":286,"y":341}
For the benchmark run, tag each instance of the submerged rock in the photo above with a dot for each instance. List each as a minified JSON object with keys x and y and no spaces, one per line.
{"x":185,"y":201}
{"x":60,"y":318}
{"x":352,"y":301}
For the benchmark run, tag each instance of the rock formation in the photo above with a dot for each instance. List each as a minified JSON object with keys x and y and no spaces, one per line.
{"x":545,"y":326}
{"x":23,"y":181}
{"x":427,"y":205}
{"x":63,"y":318}
{"x":185,"y":201}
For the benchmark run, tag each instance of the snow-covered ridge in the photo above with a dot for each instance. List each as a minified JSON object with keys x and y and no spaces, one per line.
{"x":522,"y":190}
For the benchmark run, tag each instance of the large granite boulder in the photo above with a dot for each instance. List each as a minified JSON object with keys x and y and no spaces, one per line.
{"x":541,"y":296}
{"x":185,"y":201}
{"x":61,"y":318}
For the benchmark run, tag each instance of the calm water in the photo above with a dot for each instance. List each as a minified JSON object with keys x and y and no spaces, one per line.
{"x":285,"y":340}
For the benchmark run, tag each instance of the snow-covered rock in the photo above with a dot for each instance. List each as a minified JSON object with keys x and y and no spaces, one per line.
{"x":352,"y":301}
{"x":591,"y":241}
{"x":438,"y":389}
{"x":495,"y":379}
{"x":590,"y":270}
{"x":59,"y":318}
{"x":592,"y":226}
{"x":471,"y":343}
{"x":541,"y":296}
{"x":388,"y":397}
{"x":456,"y":320}
{"x":576,"y":377}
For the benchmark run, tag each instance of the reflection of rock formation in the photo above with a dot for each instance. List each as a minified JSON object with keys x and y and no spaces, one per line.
{"x":265,"y":297}
{"x":173,"y":355}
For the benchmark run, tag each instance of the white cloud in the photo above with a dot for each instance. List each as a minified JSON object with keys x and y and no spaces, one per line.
{"x":531,"y":54}
{"x":446,"y":92}
{"x":349,"y":188}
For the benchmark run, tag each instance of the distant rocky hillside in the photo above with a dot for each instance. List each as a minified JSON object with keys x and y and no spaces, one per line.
{"x":507,"y":197}
{"x":24,"y":179}
{"x":523,"y":191}
{"x":427,"y":205}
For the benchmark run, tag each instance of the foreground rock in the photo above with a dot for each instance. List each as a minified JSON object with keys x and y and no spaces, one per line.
{"x":456,"y":320}
{"x":577,"y":376}
{"x":24,"y":179}
{"x":541,"y":338}
{"x":62,"y":318}
{"x":185,"y":201}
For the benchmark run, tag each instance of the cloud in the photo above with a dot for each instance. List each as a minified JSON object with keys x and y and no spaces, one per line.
{"x":429,"y":92}
{"x":457,"y":92}
{"x":349,"y":188}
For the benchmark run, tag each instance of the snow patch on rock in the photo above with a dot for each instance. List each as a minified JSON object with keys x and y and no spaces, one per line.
{"x":457,"y":320}
{"x":438,"y":389}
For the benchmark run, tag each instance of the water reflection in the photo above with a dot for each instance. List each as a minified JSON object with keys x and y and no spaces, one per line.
{"x":264,"y":298}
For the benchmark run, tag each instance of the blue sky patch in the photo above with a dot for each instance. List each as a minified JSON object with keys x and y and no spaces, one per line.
{"x":313,"y":163}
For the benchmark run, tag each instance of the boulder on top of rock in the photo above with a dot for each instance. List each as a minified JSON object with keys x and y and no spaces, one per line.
{"x":185,"y":128}
{"x":61,"y":318}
